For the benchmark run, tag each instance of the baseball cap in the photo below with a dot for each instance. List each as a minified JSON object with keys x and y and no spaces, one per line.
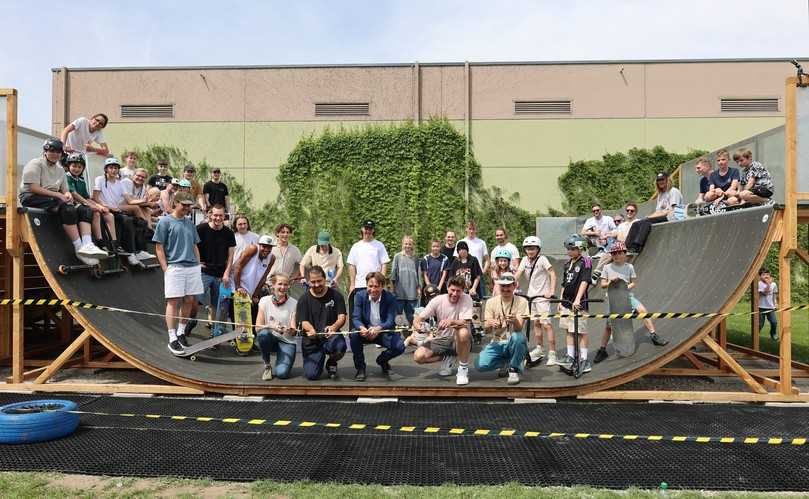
{"x":267,"y":240}
{"x":323,"y":237}
{"x":184,"y":198}
{"x":505,"y":279}
{"x":370,"y":224}
{"x":461,"y":245}
{"x":189,"y":168}
{"x":662,"y":175}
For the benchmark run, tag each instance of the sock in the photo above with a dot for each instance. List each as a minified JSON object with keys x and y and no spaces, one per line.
{"x":172,"y":335}
{"x":651,"y":331}
{"x":86,"y":239}
{"x":77,"y":244}
{"x":181,"y":328}
{"x":583,"y":353}
{"x":570,"y":350}
{"x":463,"y":364}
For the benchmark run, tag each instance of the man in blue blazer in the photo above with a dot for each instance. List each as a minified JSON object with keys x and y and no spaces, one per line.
{"x":372,"y":319}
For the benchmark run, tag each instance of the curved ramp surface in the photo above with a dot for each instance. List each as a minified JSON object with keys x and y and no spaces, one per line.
{"x":697,"y":265}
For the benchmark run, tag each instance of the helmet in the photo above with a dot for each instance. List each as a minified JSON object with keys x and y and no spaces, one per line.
{"x":175,"y":181}
{"x":576,"y":241}
{"x":617,"y":247}
{"x":111,"y":161}
{"x":267,"y":240}
{"x":53,"y":145}
{"x":430,"y":291}
{"x":531,"y":241}
{"x":184,"y":183}
{"x":501,"y":253}
{"x":76,"y":157}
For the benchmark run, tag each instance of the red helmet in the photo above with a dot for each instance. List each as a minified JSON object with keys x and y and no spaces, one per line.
{"x":617,"y":246}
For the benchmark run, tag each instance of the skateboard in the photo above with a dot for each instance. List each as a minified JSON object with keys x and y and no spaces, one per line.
{"x":222,"y":305}
{"x":242,"y":309}
{"x":623,"y":332}
{"x":192,"y":351}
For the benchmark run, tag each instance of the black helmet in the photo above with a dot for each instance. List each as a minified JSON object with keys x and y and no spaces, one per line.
{"x":75,"y":157}
{"x":53,"y":145}
{"x":430,"y":291}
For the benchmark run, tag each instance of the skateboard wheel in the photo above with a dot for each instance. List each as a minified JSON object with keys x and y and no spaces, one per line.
{"x":62,"y":269}
{"x":193,"y":358}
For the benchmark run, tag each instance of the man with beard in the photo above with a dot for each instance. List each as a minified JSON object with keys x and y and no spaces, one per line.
{"x":321,"y":312}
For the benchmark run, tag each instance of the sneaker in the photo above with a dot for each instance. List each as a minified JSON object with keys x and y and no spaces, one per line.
{"x":503,"y":372}
{"x":182,"y":341}
{"x":566,"y":362}
{"x":534,"y":357}
{"x":586,"y":366}
{"x":93,"y":250}
{"x":774,"y":337}
{"x":462,"y":378}
{"x":332,"y":372}
{"x":176,"y":348}
{"x":552,"y":359}
{"x":601,"y":355}
{"x":86,"y":251}
{"x":190,"y":326}
{"x":131,"y":260}
{"x":657,"y":339}
{"x":386,"y":370}
{"x":144,"y":255}
{"x":596,"y":276}
{"x":90,"y":262}
{"x":513,"y":377}
{"x":267,"y":374}
{"x":120,"y":250}
{"x":447,"y":363}
{"x":360,"y":376}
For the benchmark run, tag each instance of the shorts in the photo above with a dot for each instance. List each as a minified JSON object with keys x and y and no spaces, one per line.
{"x":567,"y":323}
{"x":181,"y":281}
{"x":541,"y":307}
{"x":443,"y":345}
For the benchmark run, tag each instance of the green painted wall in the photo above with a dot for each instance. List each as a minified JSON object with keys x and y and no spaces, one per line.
{"x":524,"y":156}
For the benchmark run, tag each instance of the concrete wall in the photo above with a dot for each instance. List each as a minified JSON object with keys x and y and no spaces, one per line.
{"x":246,"y":120}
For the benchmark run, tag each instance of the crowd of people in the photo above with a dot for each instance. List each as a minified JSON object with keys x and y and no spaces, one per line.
{"x":435,"y":293}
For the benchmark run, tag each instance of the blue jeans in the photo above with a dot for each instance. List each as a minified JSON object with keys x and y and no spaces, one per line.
{"x":499,"y":353}
{"x":771,"y":316}
{"x":268,"y":343}
{"x":210,"y":285}
{"x":393,"y":343}
{"x":406,"y":306}
{"x":314,"y":356}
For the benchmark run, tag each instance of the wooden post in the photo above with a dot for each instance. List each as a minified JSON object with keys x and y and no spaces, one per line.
{"x":754,"y":325}
{"x":723,"y":342}
{"x":63,"y":357}
{"x":734,"y":366}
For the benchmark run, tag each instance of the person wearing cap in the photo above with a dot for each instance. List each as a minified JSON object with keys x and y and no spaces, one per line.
{"x":478,"y":249}
{"x":44,"y":186}
{"x":620,"y":270}
{"x":253,"y":268}
{"x":109,"y":191}
{"x":372,"y":321}
{"x":287,"y":255}
{"x":618,"y":234}
{"x":189,"y":174}
{"x":504,"y":318}
{"x":321,"y":312}
{"x":404,"y":278}
{"x":215,"y":192}
{"x":366,"y":255}
{"x":668,"y":198}
{"x":176,"y":241}
{"x":276,"y":325}
{"x":541,"y":279}
{"x":326,"y":256}
{"x":451,"y":340}
{"x":161,"y":179}
{"x":216,"y":246}
{"x":597,"y":228}
{"x":167,"y":195}
{"x":466,"y":267}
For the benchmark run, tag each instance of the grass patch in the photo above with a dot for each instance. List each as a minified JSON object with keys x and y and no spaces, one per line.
{"x":739,"y":333}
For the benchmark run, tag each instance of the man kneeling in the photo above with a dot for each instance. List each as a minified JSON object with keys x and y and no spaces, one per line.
{"x":452,"y":340}
{"x":504,"y":318}
{"x":373,"y":317}
{"x":321,"y":313}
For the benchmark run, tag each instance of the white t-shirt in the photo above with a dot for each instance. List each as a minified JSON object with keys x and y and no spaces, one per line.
{"x":515,"y":253}
{"x":78,"y":138}
{"x":112,"y":191}
{"x":604,"y":225}
{"x":367,"y":257}
{"x":537,"y":275}
{"x":668,"y":200}
{"x":242,"y":242}
{"x":135,"y":192}
{"x":623,"y":229}
{"x":767,"y":300}
{"x":125,"y":172}
{"x":280,"y":315}
{"x":477,"y":248}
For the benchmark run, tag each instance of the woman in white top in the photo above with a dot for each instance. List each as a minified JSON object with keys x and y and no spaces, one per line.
{"x":276,"y":327}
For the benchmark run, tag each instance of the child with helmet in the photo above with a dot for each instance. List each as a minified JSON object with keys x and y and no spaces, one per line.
{"x":541,"y":279}
{"x":576,"y":276}
{"x":76,"y":184}
{"x":502,"y":264}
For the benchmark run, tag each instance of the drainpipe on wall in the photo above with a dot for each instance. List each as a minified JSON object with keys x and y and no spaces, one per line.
{"x":467,"y":118}
{"x":65,"y":98}
{"x":417,"y":92}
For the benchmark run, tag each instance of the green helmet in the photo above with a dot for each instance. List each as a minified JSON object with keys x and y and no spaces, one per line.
{"x":576,"y":241}
{"x":501,"y":253}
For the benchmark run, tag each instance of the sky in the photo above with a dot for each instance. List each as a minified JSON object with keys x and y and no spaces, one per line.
{"x":38,"y":36}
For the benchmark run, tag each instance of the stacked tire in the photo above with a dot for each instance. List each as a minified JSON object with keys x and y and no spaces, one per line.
{"x":37,"y":421}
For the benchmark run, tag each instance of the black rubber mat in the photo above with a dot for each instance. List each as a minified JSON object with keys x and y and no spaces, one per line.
{"x":138,"y":445}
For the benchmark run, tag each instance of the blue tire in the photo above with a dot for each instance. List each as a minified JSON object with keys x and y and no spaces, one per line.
{"x":37,"y":421}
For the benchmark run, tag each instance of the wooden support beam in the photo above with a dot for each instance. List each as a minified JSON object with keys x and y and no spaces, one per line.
{"x":100,"y":388}
{"x":693,"y":360}
{"x":802,"y":254}
{"x":734,"y":366}
{"x":716,"y":373}
{"x":87,"y":353}
{"x":723,"y":341}
{"x":64,"y":357}
{"x":694,"y":396}
{"x":705,"y":358}
{"x":790,"y":239}
{"x":108,"y":357}
{"x":766,"y":356}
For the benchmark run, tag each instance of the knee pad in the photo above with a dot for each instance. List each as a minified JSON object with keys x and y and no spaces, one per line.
{"x":67,"y":214}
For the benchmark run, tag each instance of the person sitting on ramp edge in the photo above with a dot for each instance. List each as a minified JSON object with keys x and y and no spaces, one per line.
{"x":321,"y":312}
{"x":276,"y":328}
{"x":77,"y":186}
{"x":373,"y":318}
{"x":453,"y":340}
{"x":176,"y":242}
{"x":504,"y":318}
{"x":44,"y":186}
{"x":620,"y":269}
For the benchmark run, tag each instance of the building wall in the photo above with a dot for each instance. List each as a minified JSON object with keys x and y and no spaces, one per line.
{"x":247,"y":120}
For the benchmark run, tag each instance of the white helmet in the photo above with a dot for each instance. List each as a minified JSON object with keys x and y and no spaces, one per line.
{"x":531,"y":241}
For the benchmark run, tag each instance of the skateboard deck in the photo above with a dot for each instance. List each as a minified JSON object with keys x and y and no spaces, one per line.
{"x":192,"y":351}
{"x":98,"y":267}
{"x":242,"y":308}
{"x":623,"y":332}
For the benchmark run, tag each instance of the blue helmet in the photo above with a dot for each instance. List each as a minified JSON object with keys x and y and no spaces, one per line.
{"x":576,"y":241}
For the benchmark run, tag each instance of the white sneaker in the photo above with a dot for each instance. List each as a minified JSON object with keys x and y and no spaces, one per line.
{"x":267,"y":374}
{"x":89,"y":250}
{"x":536,"y":354}
{"x":513,"y":377}
{"x":133,"y":260}
{"x":143,"y":255}
{"x":92,"y":262}
{"x":462,"y":378}
{"x":447,"y":363}
{"x":551,"y":359}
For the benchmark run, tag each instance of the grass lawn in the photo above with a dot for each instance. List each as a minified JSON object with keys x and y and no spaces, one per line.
{"x":739,"y":333}
{"x":47,"y":485}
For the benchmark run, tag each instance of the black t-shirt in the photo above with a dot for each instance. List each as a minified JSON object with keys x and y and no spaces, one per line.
{"x":468,"y":270}
{"x":159,"y":181}
{"x":215,"y":192}
{"x":213,"y":248}
{"x":319,"y":312}
{"x":576,"y":272}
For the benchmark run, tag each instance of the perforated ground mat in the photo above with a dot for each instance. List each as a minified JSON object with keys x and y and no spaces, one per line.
{"x":616,"y":445}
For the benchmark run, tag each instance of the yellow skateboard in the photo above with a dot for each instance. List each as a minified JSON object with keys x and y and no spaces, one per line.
{"x":242,"y":307}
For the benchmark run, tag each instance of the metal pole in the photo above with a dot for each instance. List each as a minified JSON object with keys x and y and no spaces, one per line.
{"x":467,"y":127}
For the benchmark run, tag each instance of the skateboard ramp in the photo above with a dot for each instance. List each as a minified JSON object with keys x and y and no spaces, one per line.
{"x":697,"y":265}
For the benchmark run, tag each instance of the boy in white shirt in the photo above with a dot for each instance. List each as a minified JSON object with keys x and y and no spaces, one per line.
{"x":767,"y":302}
{"x":541,"y":282}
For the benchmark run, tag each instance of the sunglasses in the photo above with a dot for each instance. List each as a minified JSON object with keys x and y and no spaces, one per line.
{"x":596,"y":211}
{"x":630,"y":210}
